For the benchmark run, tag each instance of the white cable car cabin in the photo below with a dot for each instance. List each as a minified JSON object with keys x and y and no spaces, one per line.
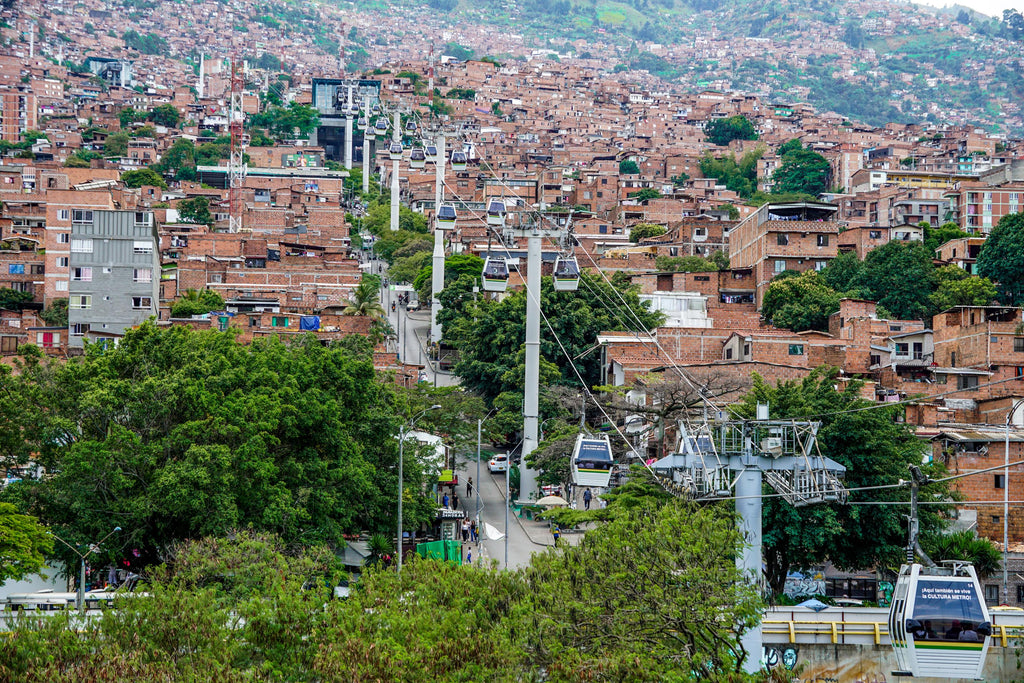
{"x":431,"y":153}
{"x":459,"y":161}
{"x":417,"y":158}
{"x":566,"y":274}
{"x":938,"y":621}
{"x":496,"y":213}
{"x":381,"y":127}
{"x":446,"y":217}
{"x":410,"y":126}
{"x":361,"y":123}
{"x":592,"y":460}
{"x":495,"y":275}
{"x":395,"y":151}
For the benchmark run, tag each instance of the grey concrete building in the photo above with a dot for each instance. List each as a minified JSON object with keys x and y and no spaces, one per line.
{"x":114,"y":271}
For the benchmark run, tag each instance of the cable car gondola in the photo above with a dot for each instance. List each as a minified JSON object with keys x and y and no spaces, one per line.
{"x":566,"y":274}
{"x":496,"y":212}
{"x":446,"y":217}
{"x":381,"y":127}
{"x":591,"y":461}
{"x":459,"y":161}
{"x":395,"y":151}
{"x":495,"y":275}
{"x":417,"y":159}
{"x":361,"y":123}
{"x":410,"y":126}
{"x":938,"y":621}
{"x":431,"y":153}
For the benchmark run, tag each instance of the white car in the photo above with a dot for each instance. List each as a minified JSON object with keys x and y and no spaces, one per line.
{"x":413,"y":306}
{"x":498,"y":463}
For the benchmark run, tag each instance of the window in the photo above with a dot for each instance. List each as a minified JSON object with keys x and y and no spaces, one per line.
{"x":142,"y":275}
{"x":61,"y":285}
{"x":701,"y":278}
{"x":36,"y":269}
{"x":780,"y":266}
{"x":1018,"y":344}
{"x":80,"y":301}
{"x":967,"y":382}
{"x":278,"y":321}
{"x":918,"y":351}
{"x":1000,"y":481}
{"x":63,"y":238}
{"x":673,"y":251}
{"x":822,"y":240}
{"x":728,"y":356}
{"x":991,"y":592}
{"x":62,"y":261}
{"x":83,"y":246}
{"x":142,"y":247}
{"x":81,"y":274}
{"x":875,"y":360}
{"x":820,"y":265}
{"x":16,"y":269}
{"x":796,"y":349}
{"x":875,"y":234}
{"x":603,"y":229}
{"x":902,"y":349}
{"x":48,"y":340}
{"x":1019,"y":371}
{"x":782,"y":239}
{"x":222,"y":323}
{"x":216,"y":277}
{"x":81,"y":216}
{"x":143,"y":218}
{"x":64,"y":214}
{"x":142,"y":302}
{"x":78,"y":329}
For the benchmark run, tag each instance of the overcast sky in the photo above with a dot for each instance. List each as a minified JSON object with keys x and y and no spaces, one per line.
{"x":992,"y":8}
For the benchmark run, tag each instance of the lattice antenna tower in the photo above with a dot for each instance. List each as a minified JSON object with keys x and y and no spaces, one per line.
{"x":236,"y":165}
{"x":430,"y":73}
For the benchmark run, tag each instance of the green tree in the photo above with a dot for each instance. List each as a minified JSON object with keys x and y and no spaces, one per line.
{"x":491,"y":333}
{"x":799,"y":303}
{"x":56,"y":314}
{"x":178,"y":160}
{"x":455,"y":266}
{"x":900,"y":277}
{"x":365,"y":300}
{"x":841,"y":271}
{"x":628,"y":167}
{"x":23,"y":544}
{"x":644,"y":230}
{"x":13,"y":300}
{"x":130,"y":115}
{"x":936,"y":237}
{"x":165,"y":115}
{"x":195,"y":210}
{"x":645,"y":194}
{"x":723,"y":131}
{"x":197,"y":302}
{"x":802,"y":170}
{"x":738,"y":176}
{"x":685,"y":264}
{"x":116,"y":145}
{"x":876,"y":451}
{"x":1001,"y":259}
{"x":295,"y":120}
{"x":970,"y":291}
{"x":640,"y":617}
{"x":143,"y":176}
{"x":964,"y":545}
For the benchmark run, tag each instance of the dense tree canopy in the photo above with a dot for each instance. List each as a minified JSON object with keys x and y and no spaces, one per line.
{"x":900,"y":277}
{"x":23,"y":543}
{"x":165,"y":115}
{"x":738,"y":176}
{"x":1002,"y":258}
{"x":799,"y":303}
{"x":143,"y":176}
{"x":875,"y":449}
{"x":178,"y":434}
{"x":802,"y":170}
{"x":490,"y":333}
{"x":723,"y":131}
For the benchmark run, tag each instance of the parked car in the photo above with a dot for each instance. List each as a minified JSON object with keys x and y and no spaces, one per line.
{"x":413,"y":306}
{"x":499,"y":463}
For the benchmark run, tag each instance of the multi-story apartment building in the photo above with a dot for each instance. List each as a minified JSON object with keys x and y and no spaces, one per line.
{"x":778,"y":237}
{"x":18,"y":113}
{"x":977,"y":207}
{"x":115,"y":274}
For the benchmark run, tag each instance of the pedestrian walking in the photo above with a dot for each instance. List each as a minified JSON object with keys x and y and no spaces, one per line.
{"x":465,"y":530}
{"x":469,"y":557}
{"x":444,"y":500}
{"x":587,"y":497}
{"x":455,"y":500}
{"x":472,"y":532}
{"x":469,"y":488}
{"x":556,"y":532}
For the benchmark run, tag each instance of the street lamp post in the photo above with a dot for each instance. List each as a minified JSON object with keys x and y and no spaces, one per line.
{"x":81,"y":556}
{"x":1006,"y":497}
{"x":402,"y":432}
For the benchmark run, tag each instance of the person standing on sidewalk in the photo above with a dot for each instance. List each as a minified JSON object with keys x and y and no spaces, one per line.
{"x":587,"y":497}
{"x":469,"y":488}
{"x":465,"y":530}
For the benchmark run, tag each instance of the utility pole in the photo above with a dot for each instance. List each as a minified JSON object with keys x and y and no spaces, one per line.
{"x":366,"y":146}
{"x":348,"y":131}
{"x":1006,"y":498}
{"x":396,"y":137}
{"x":437,"y":262}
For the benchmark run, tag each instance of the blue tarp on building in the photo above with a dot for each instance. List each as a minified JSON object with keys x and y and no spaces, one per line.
{"x":309,"y":322}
